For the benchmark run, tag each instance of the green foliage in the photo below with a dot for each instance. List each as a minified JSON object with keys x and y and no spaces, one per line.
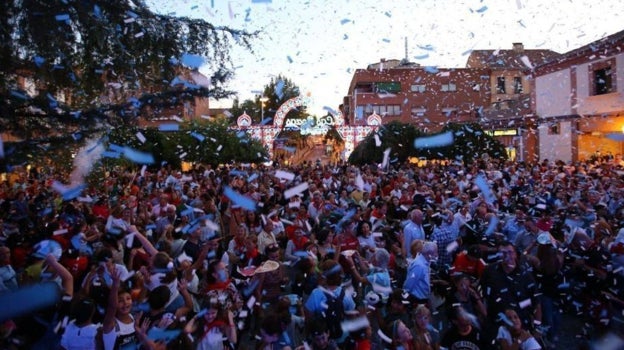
{"x":279,"y":90}
{"x":80,"y":48}
{"x":395,"y":135}
{"x":206,"y":143}
{"x":470,"y":142}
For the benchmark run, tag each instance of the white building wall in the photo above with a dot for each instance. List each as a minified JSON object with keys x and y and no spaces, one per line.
{"x":552,"y":94}
{"x":556,"y":147}
{"x":607,"y":103}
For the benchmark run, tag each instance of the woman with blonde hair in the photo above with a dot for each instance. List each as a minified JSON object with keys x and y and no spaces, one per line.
{"x":425,"y":336}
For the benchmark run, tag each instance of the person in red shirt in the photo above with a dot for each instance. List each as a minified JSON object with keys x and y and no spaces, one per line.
{"x":469,"y":262}
{"x":347,"y":240}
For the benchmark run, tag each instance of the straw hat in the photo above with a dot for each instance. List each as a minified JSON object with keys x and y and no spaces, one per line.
{"x":268,"y":266}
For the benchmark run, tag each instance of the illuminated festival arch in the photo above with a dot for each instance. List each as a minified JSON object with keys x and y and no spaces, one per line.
{"x":352,"y":135}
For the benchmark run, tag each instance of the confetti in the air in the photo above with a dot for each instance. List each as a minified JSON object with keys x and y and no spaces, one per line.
{"x":239,"y":200}
{"x":169,"y":127}
{"x":293,"y":191}
{"x":138,"y":156}
{"x":280,"y":174}
{"x":28,"y":299}
{"x":482,"y":184}
{"x":141,"y":137}
{"x":198,"y":136}
{"x":279,"y":88}
{"x":440,"y":140}
{"x":62,"y":17}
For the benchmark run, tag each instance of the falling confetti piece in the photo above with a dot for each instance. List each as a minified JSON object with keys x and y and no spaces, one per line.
{"x":527,"y":62}
{"x":293,"y":191}
{"x":198,"y":136}
{"x":192,"y":61}
{"x":239,"y":200}
{"x":26,"y":300}
{"x":169,"y":127}
{"x":482,"y":184}
{"x":290,"y":60}
{"x":68,"y":193}
{"x":141,"y":137}
{"x":279,"y":88}
{"x":615,"y":136}
{"x":138,"y":156}
{"x":482,"y":9}
{"x":440,"y":140}
{"x":377,"y":140}
{"x":280,"y":174}
{"x":62,"y":17}
{"x":345,"y":21}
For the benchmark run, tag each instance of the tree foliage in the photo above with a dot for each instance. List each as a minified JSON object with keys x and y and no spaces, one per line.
{"x":207,"y":142}
{"x":279,"y":90}
{"x":83,"y":49}
{"x":470,"y":142}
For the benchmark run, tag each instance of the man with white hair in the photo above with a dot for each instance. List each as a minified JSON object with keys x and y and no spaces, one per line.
{"x":376,"y":276}
{"x":413,"y":231}
{"x":418,"y":281}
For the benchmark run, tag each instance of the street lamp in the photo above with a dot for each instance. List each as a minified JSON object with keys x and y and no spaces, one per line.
{"x":263,"y":99}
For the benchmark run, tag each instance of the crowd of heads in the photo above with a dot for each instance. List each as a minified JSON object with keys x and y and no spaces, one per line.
{"x":318,"y":257}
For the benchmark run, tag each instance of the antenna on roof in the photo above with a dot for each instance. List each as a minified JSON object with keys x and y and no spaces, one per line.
{"x":406,"y":57}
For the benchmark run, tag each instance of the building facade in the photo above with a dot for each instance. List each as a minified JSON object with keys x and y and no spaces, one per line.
{"x":579,"y":102}
{"x":406,"y":92}
{"x":494,"y":89}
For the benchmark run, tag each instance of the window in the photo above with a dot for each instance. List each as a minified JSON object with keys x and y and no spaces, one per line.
{"x":448,"y":87}
{"x":518,"y":85}
{"x":394,"y":110}
{"x":418,"y":112}
{"x":359,"y":112}
{"x":603,"y":81}
{"x":602,"y":77}
{"x":388,"y":87}
{"x":500,"y":85}
{"x":418,"y":88}
{"x":387,"y":110}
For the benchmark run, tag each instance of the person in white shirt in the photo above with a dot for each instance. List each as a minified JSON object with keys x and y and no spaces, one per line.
{"x":81,"y":332}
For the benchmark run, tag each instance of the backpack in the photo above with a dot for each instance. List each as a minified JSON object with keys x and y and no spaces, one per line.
{"x":334,"y":314}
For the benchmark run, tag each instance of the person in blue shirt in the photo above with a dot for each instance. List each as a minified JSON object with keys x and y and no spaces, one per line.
{"x":418,"y":281}
{"x":330,"y":287}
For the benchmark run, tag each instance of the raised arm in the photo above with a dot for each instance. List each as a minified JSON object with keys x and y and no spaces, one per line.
{"x":147,"y":245}
{"x":109,"y":317}
{"x":66,"y":276}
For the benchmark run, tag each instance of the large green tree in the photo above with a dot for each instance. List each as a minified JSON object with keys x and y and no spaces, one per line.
{"x":83,"y":49}
{"x":204,"y":142}
{"x":279,"y":90}
{"x":470,"y":142}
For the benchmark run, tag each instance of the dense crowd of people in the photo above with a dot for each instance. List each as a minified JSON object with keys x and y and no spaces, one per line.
{"x":488,"y":255}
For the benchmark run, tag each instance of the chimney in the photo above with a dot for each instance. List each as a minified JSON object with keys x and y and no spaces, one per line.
{"x":382,"y":60}
{"x":518,"y":47}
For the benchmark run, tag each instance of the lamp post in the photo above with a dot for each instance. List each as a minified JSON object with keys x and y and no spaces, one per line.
{"x":263,"y":99}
